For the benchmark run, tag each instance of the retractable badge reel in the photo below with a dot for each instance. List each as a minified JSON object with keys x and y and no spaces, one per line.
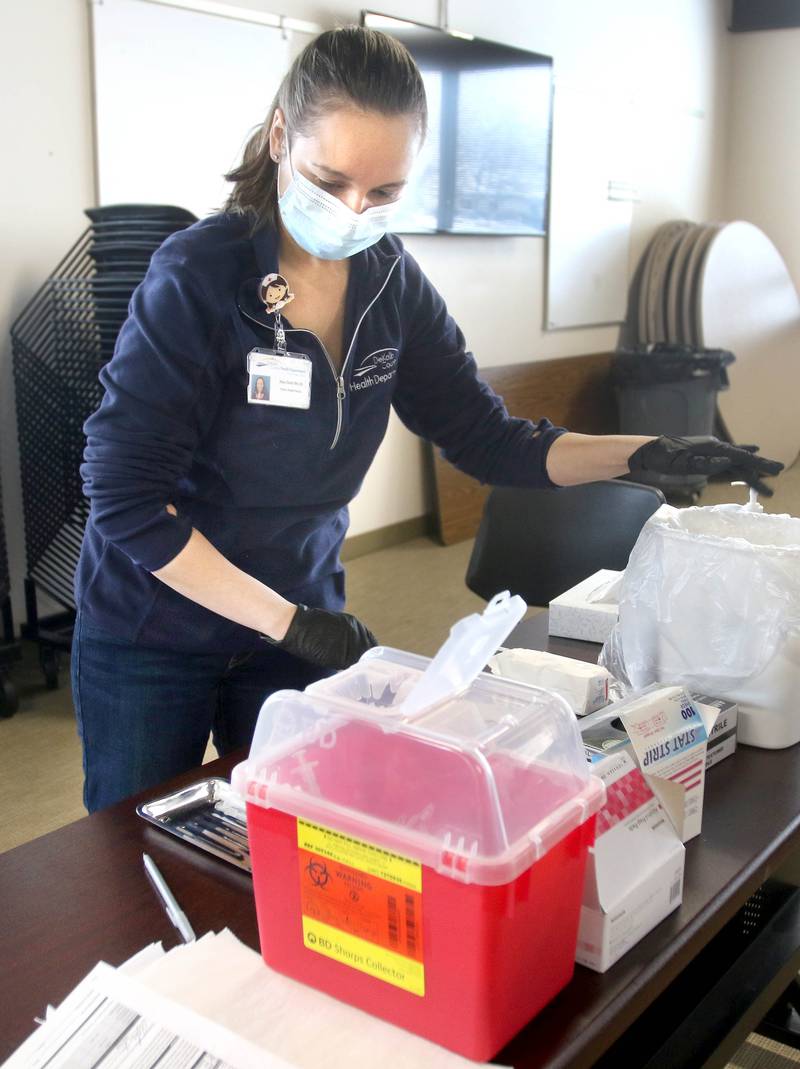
{"x":276,"y":376}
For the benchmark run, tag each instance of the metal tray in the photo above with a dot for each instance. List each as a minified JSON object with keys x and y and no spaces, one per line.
{"x":208,"y":815}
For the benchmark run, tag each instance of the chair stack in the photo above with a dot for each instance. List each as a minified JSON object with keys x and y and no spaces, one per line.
{"x":667,"y":291}
{"x":123,"y":237}
{"x":5,"y":578}
{"x":9,"y":648}
{"x":62,"y":338}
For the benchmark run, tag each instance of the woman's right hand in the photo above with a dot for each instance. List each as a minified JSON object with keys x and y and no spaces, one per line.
{"x":327,"y":639}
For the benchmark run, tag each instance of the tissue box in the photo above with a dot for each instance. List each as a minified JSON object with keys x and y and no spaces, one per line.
{"x":634,"y":875}
{"x":583,"y":686}
{"x":578,"y":612}
{"x":720,"y":717}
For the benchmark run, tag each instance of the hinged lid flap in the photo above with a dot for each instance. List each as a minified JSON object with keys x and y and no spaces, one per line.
{"x":464,"y":655}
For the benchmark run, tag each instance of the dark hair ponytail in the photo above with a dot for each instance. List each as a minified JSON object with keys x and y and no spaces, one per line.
{"x":350,"y":66}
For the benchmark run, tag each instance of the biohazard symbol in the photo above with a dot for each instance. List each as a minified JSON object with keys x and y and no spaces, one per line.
{"x":318,"y":873}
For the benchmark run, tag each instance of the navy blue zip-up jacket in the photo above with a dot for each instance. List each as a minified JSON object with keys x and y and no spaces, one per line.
{"x":268,"y":486}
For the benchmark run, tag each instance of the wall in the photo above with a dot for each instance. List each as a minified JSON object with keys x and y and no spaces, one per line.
{"x":672,"y":58}
{"x":46,"y":180}
{"x":763,"y":157}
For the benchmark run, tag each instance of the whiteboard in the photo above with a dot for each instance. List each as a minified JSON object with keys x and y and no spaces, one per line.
{"x":591,"y":205}
{"x":177,"y":93}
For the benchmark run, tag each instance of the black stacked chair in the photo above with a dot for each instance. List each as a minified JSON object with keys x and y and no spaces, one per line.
{"x":60,"y":341}
{"x":9,"y":648}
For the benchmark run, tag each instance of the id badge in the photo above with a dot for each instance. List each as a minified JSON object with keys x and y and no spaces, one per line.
{"x":278,"y":378}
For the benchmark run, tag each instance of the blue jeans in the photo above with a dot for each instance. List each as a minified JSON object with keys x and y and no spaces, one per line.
{"x":144,"y":715}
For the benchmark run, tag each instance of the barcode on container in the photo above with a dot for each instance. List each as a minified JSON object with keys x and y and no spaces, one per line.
{"x":411,"y":926}
{"x":675,"y":890}
{"x":394,"y":928}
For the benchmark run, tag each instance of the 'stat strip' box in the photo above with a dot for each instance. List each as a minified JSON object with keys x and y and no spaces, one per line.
{"x":634,"y":874}
{"x":670,"y":739}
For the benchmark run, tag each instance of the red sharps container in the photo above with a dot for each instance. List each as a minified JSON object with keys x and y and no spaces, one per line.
{"x":418,"y":834}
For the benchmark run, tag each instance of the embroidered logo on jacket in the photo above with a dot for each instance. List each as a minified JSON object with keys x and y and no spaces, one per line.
{"x":375,"y":368}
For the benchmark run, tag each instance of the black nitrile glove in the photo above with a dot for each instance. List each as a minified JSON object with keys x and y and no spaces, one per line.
{"x":704,"y":456}
{"x":328,"y":639}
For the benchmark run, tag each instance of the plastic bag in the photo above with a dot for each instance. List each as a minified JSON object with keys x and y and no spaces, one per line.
{"x":665,"y":362}
{"x":711,"y":599}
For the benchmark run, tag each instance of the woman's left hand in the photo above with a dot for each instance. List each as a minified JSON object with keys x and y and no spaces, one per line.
{"x":704,"y":456}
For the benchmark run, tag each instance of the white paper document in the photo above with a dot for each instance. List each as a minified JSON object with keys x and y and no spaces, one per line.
{"x":214,"y":1004}
{"x":112,"y":1021}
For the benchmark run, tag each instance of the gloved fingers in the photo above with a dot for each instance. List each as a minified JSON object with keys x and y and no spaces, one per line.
{"x":757,"y":465}
{"x":744,"y":456}
{"x":705,"y":465}
{"x":749,"y":458}
{"x":713,"y":447}
{"x":768,"y":467}
{"x":751,"y":477}
{"x":760,"y":487}
{"x":361,"y":639}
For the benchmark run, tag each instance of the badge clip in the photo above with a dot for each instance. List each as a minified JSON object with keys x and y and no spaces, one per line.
{"x":274,"y":292}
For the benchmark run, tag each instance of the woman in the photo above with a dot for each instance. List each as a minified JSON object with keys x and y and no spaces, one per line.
{"x":210,"y":572}
{"x":259,"y":389}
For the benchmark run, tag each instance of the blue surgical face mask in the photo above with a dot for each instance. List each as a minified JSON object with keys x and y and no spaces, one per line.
{"x":325,"y":227}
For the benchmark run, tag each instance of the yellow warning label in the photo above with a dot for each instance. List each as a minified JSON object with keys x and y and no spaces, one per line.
{"x":372,"y":859}
{"x":364,"y":956}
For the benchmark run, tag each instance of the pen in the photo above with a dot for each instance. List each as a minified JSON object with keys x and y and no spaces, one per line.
{"x":173,"y":910}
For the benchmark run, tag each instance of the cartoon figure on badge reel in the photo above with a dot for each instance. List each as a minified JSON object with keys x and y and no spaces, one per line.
{"x":275,"y":292}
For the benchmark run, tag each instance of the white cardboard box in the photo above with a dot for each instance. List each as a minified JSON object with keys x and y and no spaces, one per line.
{"x":634,"y":873}
{"x":720,"y":717}
{"x":669,"y":736}
{"x":668,"y":733}
{"x":583,"y":686}
{"x":587,"y":611}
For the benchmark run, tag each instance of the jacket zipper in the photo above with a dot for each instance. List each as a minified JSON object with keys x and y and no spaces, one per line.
{"x":338,"y":377}
{"x":340,"y":380}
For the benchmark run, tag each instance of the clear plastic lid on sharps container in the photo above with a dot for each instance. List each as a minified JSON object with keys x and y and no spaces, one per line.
{"x":478,"y":785}
{"x":403,"y":685}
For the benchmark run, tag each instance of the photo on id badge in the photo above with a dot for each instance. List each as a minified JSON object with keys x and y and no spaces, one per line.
{"x":258,"y":390}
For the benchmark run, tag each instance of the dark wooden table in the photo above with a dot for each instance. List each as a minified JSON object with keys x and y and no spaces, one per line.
{"x":79,"y":895}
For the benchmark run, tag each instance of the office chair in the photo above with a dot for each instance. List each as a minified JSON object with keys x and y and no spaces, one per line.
{"x":539,"y":543}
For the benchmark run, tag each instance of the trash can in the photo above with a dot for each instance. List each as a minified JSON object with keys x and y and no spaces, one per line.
{"x":711,"y":599}
{"x":670,"y":389}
